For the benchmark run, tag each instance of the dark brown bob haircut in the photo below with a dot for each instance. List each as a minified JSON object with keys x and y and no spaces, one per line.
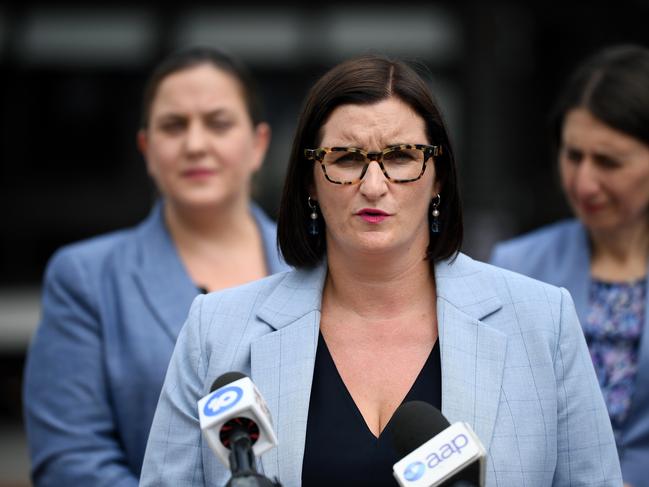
{"x":364,"y":81}
{"x":197,"y":56}
{"x":613,"y":85}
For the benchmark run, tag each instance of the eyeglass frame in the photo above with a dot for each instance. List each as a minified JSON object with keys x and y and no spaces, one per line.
{"x":319,"y":154}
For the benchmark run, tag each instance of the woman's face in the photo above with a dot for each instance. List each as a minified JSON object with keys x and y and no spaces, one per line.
{"x":604,"y":172}
{"x":200,"y":146}
{"x":350,"y":211}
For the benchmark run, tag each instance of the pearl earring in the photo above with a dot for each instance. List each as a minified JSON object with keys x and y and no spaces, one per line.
{"x":313,"y":218}
{"x":434,"y":224}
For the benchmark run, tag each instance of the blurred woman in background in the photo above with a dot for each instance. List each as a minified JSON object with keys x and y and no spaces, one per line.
{"x":113,"y":305}
{"x":601,"y":128}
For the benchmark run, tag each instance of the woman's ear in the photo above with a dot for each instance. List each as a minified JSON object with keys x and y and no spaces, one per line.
{"x":142,"y":142}
{"x":312,"y":192}
{"x":437,"y":187}
{"x":262,"y":141}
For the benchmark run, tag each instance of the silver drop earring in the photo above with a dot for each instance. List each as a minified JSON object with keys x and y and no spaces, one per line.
{"x":434,"y":224}
{"x":313,"y":218}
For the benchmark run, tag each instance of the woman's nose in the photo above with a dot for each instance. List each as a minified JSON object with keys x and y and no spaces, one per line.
{"x":586,"y":179}
{"x":196,"y":138}
{"x":374,"y":183}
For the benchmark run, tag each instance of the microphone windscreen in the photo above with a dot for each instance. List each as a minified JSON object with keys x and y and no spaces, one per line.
{"x":225,"y":379}
{"x":413,"y":424}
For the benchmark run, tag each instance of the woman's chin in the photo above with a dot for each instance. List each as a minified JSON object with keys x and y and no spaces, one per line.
{"x":203,"y":200}
{"x":381,"y":246}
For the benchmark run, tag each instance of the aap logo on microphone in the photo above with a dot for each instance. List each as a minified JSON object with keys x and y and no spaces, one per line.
{"x":414,"y":471}
{"x":222,"y":400}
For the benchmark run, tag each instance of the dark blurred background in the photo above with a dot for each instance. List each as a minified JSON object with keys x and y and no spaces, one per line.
{"x":71,"y":78}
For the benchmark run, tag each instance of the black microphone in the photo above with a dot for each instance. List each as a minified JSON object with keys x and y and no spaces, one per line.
{"x":434,"y":452}
{"x":237,"y":425}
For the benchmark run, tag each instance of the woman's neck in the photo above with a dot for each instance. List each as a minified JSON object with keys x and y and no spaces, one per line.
{"x":219,"y":247}
{"x":214,"y":226}
{"x":380,"y":288}
{"x":620,"y":255}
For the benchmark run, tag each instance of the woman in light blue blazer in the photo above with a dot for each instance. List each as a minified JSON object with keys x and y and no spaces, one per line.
{"x":601,"y":127}
{"x":381,"y":309}
{"x":113,"y":305}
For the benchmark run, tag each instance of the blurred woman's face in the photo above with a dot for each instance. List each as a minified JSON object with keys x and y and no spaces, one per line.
{"x":604,"y":172}
{"x":200,"y":146}
{"x":375,"y":215}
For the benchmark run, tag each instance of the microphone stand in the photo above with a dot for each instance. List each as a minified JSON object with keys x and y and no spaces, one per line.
{"x":242,"y":463}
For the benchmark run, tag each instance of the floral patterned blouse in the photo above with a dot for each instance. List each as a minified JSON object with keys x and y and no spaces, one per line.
{"x":613,"y":328}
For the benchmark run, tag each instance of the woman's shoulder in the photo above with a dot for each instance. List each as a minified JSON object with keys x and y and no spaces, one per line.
{"x":109,"y":251}
{"x":507,"y":284}
{"x":543,"y":239}
{"x":89,"y":251}
{"x":227,"y":318}
{"x":114,"y":249}
{"x":283,"y":290}
{"x":541,"y":249}
{"x":513,"y":302}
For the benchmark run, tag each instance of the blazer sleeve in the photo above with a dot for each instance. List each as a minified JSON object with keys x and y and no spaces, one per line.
{"x":174,"y":450}
{"x":70,"y":426}
{"x":586,"y":452}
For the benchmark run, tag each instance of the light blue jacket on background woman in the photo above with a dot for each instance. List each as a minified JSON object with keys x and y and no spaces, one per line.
{"x":560,"y":254}
{"x":112,"y":309}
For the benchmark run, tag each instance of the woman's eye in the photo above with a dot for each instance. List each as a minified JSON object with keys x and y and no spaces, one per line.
{"x":219,"y":125}
{"x":607,"y":162}
{"x":398,"y":157}
{"x":350,"y":158}
{"x":572,"y":155}
{"x":172,"y":126}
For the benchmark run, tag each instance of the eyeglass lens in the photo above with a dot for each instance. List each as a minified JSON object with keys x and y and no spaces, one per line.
{"x":398,"y":163}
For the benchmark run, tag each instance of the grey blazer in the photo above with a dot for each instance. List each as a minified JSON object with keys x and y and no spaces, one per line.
{"x":514,"y":365}
{"x":560,"y":254}
{"x":112,"y":309}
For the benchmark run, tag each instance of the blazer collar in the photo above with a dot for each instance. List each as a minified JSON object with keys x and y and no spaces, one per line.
{"x":574,"y":273}
{"x":299,"y":293}
{"x":459,"y":281}
{"x":161,"y":275}
{"x":472,"y":351}
{"x":473,"y":355}
{"x":462,"y":283}
{"x":282,"y":366}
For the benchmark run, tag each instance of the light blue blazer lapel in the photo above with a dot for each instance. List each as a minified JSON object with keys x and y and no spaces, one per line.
{"x":161,"y":276}
{"x":472,"y":352}
{"x":473,"y":357}
{"x":163,"y":279}
{"x":282,"y":367}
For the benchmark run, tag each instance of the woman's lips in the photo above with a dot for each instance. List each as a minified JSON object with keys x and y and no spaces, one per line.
{"x":590,"y":208}
{"x":198,"y":173}
{"x":372,"y":215}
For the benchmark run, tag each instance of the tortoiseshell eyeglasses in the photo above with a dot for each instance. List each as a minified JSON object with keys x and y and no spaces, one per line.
{"x":402,"y":163}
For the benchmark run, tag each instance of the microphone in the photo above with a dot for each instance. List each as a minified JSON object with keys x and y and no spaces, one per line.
{"x":237,"y":425}
{"x":435,"y":453}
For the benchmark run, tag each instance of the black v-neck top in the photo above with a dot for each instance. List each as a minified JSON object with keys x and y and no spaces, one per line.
{"x":340,"y":450}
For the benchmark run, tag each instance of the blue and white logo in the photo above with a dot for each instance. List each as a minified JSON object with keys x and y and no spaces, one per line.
{"x":414,"y":471}
{"x":222,"y":400}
